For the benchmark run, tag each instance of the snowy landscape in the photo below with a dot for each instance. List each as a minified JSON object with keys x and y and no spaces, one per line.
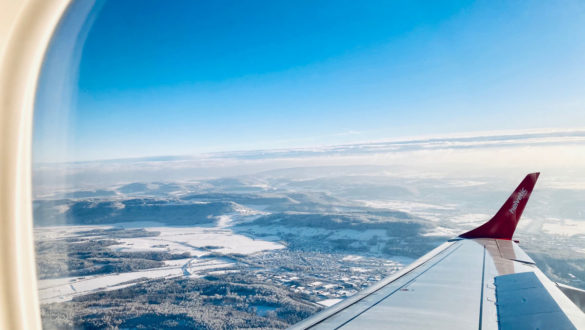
{"x":267,"y":248}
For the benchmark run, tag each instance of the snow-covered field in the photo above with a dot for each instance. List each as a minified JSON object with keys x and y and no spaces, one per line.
{"x":564,"y":227}
{"x":424,"y":210}
{"x":442,"y":232}
{"x":60,"y":232}
{"x":64,"y":289}
{"x":470,"y":218}
{"x":405,"y":206}
{"x":329,"y":302}
{"x":361,"y":235}
{"x":199,"y":242}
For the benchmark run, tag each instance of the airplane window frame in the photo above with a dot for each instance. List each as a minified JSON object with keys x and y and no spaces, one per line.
{"x":26,"y":29}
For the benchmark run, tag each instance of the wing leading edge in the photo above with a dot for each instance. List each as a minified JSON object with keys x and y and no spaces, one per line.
{"x":481,"y":279}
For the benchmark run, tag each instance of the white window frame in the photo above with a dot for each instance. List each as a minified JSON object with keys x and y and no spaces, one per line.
{"x":26,"y":27}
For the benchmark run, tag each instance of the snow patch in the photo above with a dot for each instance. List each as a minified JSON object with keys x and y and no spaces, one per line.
{"x":478,"y":218}
{"x":196,"y":241}
{"x":329,"y":302}
{"x":351,"y":258}
{"x":406,"y":206}
{"x":442,"y":231}
{"x":565,"y":227}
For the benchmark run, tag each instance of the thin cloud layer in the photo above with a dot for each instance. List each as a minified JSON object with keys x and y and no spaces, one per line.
{"x":507,"y":154}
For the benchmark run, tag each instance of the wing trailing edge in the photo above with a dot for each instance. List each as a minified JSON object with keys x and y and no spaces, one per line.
{"x":503,"y":224}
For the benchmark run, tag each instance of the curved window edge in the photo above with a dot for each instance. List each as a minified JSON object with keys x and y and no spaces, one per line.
{"x":25,"y":33}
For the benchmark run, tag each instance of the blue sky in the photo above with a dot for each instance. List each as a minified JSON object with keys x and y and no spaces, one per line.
{"x":186,"y":77}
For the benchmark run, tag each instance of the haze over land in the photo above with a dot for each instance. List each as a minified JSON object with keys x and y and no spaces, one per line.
{"x":307,"y":226}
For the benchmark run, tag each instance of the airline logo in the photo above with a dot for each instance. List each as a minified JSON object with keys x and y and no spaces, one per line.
{"x":520,"y":196}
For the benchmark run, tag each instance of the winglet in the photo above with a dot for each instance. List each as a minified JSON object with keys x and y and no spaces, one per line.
{"x":503,"y":224}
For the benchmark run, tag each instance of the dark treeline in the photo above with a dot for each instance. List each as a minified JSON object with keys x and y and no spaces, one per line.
{"x":80,"y":256}
{"x":90,"y":211}
{"x":214,"y":302}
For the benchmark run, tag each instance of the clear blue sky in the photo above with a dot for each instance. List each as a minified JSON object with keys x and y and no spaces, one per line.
{"x":184,"y":77}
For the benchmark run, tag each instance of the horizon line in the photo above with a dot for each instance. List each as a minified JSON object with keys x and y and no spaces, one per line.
{"x":324,"y":147}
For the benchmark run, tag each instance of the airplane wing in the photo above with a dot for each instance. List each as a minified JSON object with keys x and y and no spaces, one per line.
{"x":479,"y":280}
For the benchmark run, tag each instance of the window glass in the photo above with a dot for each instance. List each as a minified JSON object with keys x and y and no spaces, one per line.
{"x":229,"y":164}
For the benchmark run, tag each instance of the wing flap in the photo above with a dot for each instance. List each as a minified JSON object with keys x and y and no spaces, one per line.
{"x":509,"y":250}
{"x":576,"y":295}
{"x":524,"y":303}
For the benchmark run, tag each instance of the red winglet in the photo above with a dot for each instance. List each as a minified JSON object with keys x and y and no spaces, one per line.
{"x":503,"y":224}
